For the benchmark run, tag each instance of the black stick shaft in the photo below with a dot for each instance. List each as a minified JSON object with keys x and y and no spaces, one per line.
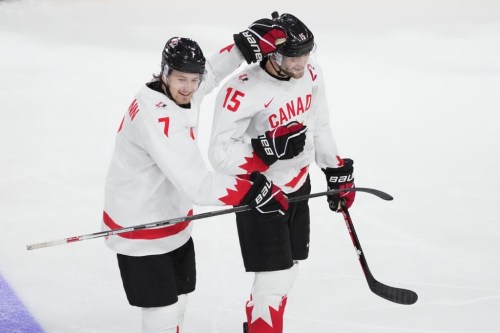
{"x":237,"y":209}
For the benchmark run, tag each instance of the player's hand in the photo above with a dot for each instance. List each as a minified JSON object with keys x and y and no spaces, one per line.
{"x":340,"y":178}
{"x":265,"y":198}
{"x":282,"y":143}
{"x":262,"y":37}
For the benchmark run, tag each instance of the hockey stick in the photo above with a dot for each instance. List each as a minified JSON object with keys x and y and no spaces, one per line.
{"x":396,"y":295}
{"x":237,"y":209}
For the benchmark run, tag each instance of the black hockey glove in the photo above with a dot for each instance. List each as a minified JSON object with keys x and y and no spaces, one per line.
{"x":340,"y":178}
{"x":266,"y":199}
{"x":262,"y":37}
{"x":282,"y":143}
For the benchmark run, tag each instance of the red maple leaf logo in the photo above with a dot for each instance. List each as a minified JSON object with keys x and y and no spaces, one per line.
{"x":254,"y":163}
{"x":234,"y":197}
{"x":261,"y":325}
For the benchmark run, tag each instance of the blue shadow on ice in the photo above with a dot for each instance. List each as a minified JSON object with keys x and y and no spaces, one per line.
{"x":14,"y":316}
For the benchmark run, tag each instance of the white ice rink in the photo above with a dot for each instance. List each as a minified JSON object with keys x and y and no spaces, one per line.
{"x":414,"y":91}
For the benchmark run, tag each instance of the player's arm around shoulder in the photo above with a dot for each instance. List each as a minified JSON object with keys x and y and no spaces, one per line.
{"x":222,"y":64}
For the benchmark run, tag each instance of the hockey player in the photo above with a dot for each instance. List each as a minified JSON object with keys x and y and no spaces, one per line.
{"x":157,"y":173}
{"x":283,"y":93}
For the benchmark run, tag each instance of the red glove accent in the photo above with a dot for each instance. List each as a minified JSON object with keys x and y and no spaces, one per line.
{"x":262,"y":37}
{"x":347,"y":196}
{"x":273,"y":38}
{"x":340,"y":178}
{"x":282,"y":143}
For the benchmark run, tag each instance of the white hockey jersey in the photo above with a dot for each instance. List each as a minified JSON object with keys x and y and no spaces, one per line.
{"x":157,"y":171}
{"x":253,"y":102}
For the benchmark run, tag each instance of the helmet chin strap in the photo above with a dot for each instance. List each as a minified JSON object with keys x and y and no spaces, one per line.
{"x":279,"y":70}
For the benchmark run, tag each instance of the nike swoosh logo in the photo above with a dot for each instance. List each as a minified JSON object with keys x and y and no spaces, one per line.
{"x":267,"y":104}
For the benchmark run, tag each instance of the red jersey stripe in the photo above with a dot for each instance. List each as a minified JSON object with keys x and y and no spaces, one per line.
{"x":157,"y":233}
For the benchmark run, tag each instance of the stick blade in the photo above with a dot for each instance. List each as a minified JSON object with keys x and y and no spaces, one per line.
{"x":382,"y":195}
{"x":396,"y":295}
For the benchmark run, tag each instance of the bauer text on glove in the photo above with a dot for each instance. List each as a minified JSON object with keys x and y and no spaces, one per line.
{"x":262,"y":37}
{"x":282,"y":143}
{"x":340,"y":178}
{"x":265,"y":198}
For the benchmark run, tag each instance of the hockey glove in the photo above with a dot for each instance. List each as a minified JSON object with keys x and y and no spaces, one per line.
{"x":282,"y":143}
{"x":262,"y":37}
{"x":265,"y":198}
{"x":340,"y":178}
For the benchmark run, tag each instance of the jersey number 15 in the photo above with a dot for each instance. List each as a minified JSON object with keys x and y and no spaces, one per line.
{"x":231,"y":101}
